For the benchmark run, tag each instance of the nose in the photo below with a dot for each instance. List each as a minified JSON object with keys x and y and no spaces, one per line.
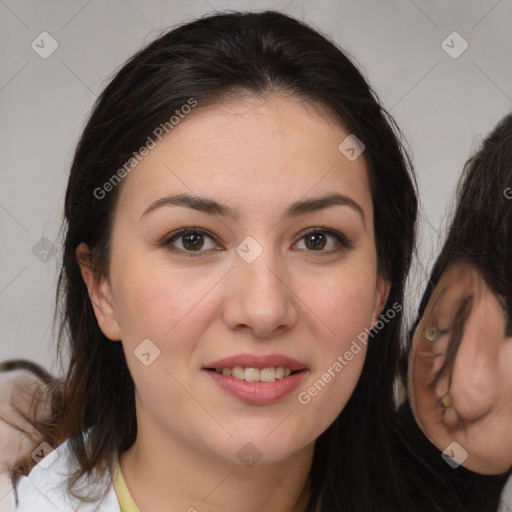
{"x":262,"y":296}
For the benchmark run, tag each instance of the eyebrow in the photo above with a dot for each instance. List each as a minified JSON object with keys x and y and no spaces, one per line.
{"x":296,"y":209}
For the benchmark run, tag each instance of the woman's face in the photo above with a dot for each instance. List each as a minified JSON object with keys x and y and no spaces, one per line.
{"x":477,"y":413}
{"x":245,"y":289}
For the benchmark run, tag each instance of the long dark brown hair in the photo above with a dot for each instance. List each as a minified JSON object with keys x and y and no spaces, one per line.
{"x":211,"y":59}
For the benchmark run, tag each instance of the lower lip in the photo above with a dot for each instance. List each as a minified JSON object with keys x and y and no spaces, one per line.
{"x":258,"y":393}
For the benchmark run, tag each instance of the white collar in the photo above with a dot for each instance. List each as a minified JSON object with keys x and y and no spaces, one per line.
{"x":45,"y":488}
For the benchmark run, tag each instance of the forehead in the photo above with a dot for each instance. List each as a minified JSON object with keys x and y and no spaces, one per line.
{"x":266,"y":150}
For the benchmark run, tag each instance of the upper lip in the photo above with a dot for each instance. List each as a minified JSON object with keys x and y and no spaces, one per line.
{"x":257,"y":361}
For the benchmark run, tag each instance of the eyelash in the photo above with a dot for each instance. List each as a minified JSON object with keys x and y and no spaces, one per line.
{"x":341,"y":239}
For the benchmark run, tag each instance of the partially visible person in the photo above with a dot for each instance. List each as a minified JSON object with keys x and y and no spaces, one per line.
{"x":459,"y":372}
{"x":470,"y":402}
{"x":23,"y":397}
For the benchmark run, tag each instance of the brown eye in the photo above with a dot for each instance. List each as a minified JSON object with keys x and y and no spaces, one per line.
{"x":317,"y":239}
{"x":192,"y":241}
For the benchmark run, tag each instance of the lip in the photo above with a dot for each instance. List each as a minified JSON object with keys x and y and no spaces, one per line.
{"x":258,"y":393}
{"x":257,"y":361}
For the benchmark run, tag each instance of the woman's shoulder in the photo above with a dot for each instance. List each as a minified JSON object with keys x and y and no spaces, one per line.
{"x":45,"y":489}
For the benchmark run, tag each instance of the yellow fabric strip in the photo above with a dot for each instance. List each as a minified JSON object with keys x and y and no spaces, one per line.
{"x":123,"y":494}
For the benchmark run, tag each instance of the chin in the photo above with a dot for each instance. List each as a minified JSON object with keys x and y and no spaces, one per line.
{"x":250,"y":450}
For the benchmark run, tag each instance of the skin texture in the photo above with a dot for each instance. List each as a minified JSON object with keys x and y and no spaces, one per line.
{"x":480,"y":414}
{"x":256,"y":155}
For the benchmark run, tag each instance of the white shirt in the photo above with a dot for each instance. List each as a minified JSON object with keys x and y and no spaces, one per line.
{"x":6,"y":497}
{"x":506,"y":497}
{"x":45,"y":488}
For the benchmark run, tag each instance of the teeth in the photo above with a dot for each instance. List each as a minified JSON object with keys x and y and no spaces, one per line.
{"x":252,"y":375}
{"x":268,"y":375}
{"x":248,"y":374}
{"x":237,"y":372}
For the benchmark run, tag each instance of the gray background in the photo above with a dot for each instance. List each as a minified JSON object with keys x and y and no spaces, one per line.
{"x":444,"y":105}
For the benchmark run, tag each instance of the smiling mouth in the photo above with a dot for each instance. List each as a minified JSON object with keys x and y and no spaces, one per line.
{"x":251,"y":374}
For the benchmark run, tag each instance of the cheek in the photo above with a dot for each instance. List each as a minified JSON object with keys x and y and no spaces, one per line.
{"x":170,"y":307}
{"x":345,"y":304}
{"x":155,"y":300}
{"x":342,"y":336}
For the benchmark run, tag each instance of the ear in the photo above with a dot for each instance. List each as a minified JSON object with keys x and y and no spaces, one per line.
{"x":381,"y":297}
{"x":100,"y":294}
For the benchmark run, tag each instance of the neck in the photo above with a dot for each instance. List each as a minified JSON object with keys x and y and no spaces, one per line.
{"x":165,"y":473}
